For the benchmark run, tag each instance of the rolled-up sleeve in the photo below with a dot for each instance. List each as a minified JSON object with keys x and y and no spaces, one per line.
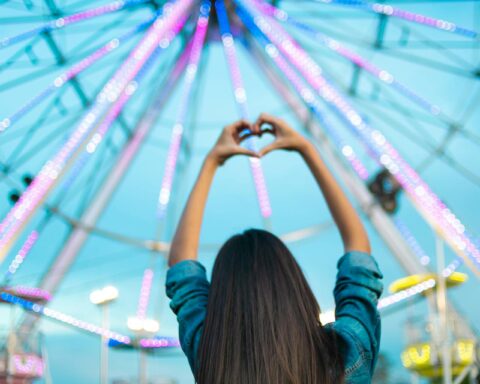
{"x":187,"y":287}
{"x":356,"y":293}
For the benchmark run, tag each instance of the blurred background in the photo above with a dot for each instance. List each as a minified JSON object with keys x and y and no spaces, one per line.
{"x":413,"y":79}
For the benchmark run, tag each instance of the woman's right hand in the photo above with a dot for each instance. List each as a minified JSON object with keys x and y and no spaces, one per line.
{"x":285,"y":136}
{"x":228,"y":144}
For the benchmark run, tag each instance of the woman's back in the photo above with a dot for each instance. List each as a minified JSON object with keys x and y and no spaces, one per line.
{"x":262,"y":322}
{"x":258,"y":321}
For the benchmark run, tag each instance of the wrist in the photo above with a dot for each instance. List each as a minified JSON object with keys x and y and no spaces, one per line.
{"x":212,"y":159}
{"x":306,"y":148}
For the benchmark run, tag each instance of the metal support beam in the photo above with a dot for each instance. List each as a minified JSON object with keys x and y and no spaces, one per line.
{"x":352,"y":90}
{"x":381,"y":27}
{"x":60,"y":59}
{"x":52,"y":6}
{"x":78,"y":236}
{"x":378,"y":217}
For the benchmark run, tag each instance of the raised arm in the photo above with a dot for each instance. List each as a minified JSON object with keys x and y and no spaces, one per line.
{"x":351,"y":229}
{"x":185,"y":242}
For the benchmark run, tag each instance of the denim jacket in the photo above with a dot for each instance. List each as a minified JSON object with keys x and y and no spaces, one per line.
{"x":356,"y":294}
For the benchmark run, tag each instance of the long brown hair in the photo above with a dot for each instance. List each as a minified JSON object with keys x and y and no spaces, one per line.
{"x":262,"y":324}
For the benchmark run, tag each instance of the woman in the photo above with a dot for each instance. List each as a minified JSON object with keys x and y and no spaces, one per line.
{"x":257,"y":322}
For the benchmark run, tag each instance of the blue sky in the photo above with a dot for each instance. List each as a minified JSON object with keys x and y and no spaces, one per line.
{"x":232,"y":206}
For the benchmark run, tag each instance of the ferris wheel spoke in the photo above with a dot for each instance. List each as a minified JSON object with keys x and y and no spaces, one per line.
{"x":66,"y":20}
{"x":401,"y":54}
{"x":97,"y":34}
{"x":411,"y":17}
{"x":70,"y":76}
{"x":383,"y":76}
{"x":240,"y":97}
{"x":109,"y":150}
{"x":40,"y":123}
{"x":197,"y":43}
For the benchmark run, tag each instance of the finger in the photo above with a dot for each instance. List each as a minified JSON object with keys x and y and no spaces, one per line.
{"x":255,"y":129}
{"x":268,"y":148}
{"x":267,"y":118}
{"x":267,"y":130}
{"x":245,"y":136}
{"x":244,"y":151}
{"x":239,"y":125}
{"x":239,"y":129}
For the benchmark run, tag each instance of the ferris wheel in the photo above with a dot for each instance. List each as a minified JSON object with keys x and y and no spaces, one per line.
{"x":85,"y":85}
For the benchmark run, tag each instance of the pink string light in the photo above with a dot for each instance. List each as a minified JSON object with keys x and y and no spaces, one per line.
{"x":27,"y":365}
{"x":429,"y":205}
{"x":198,"y":41}
{"x":240,"y":95}
{"x":32,"y":293}
{"x":145,"y":294}
{"x":22,"y":254}
{"x":162,"y":342}
{"x":159,"y":34}
{"x":388,"y":10}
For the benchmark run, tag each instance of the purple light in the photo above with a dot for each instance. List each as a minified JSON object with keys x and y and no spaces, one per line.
{"x":428,"y":204}
{"x":32,"y":293}
{"x":145,"y":293}
{"x":240,"y":95}
{"x":160,"y":33}
{"x":388,"y":10}
{"x":177,"y":131}
{"x":162,"y":342}
{"x":334,"y":45}
{"x":27,"y":365}
{"x":71,"y":19}
{"x":22,"y":254}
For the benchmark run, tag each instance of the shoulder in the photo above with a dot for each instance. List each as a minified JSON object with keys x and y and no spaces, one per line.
{"x":186,"y":272}
{"x":357,"y":261}
{"x":186,"y":268}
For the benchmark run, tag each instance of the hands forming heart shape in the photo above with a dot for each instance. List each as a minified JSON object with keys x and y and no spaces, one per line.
{"x":228,"y":144}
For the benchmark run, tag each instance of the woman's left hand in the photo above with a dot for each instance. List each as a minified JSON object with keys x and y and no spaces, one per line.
{"x":228,"y":144}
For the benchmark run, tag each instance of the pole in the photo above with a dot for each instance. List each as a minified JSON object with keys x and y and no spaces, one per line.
{"x":142,"y":371}
{"x":443,"y":313}
{"x":104,"y":345}
{"x":10,"y":347}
